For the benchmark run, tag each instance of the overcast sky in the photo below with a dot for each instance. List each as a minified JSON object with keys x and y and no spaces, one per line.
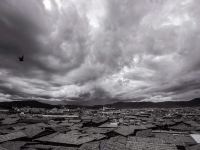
{"x":140,"y":50}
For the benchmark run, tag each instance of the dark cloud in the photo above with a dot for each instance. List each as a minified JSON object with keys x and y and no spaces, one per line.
{"x":98,"y":49}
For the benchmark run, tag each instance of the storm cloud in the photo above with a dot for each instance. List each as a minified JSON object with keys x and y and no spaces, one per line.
{"x":139,"y":50}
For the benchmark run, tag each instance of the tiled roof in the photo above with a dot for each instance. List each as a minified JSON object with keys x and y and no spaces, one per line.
{"x":12,"y":136}
{"x":72,"y":137}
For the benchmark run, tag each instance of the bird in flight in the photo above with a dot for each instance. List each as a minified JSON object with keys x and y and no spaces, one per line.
{"x":21,"y":58}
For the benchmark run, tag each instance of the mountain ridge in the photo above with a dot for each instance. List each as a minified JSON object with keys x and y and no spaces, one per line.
{"x":119,"y":105}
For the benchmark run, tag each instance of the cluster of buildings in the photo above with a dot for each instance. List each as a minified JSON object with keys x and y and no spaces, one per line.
{"x":100,"y":129}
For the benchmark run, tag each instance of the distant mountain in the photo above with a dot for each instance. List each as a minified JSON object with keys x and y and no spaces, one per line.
{"x":119,"y":105}
{"x":26,"y":103}
{"x":168,"y":104}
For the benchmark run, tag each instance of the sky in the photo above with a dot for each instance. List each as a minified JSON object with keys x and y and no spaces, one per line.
{"x":100,"y":50}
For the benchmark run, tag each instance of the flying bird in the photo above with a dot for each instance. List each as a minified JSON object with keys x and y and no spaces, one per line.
{"x":21,"y":58}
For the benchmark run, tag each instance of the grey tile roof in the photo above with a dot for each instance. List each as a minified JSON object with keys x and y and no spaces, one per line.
{"x":9,"y":120}
{"x":178,"y":139}
{"x":90,"y":146}
{"x":115,"y":143}
{"x":138,"y":143}
{"x":128,"y":130}
{"x":12,"y":136}
{"x":195,"y":147}
{"x":72,"y":137}
{"x":13,"y":145}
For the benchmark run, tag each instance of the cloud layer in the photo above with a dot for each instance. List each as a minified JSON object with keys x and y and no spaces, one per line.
{"x":129,"y":50}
